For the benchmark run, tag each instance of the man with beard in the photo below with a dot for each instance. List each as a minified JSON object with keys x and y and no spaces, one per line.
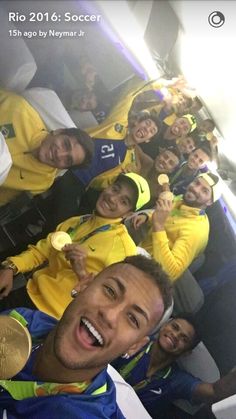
{"x":190,"y":169}
{"x":97,"y":240}
{"x":157,"y":378}
{"x":66,"y":376}
{"x":178,"y":232}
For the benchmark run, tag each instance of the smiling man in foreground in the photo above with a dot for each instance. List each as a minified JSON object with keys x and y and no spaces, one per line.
{"x":98,"y":240}
{"x":65,"y":376}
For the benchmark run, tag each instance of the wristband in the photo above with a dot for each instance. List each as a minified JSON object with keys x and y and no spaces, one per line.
{"x":8,"y":264}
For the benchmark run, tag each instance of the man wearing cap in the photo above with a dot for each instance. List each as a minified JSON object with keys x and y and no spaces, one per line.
{"x":97,"y":241}
{"x":112,"y":156}
{"x":178,"y":232}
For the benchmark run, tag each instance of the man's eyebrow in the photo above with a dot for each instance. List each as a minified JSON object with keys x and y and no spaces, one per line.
{"x":183,"y":333}
{"x":122,"y":289}
{"x":120,"y":285}
{"x":141,"y":311}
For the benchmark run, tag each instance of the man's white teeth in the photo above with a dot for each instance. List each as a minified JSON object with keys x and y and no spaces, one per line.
{"x":141,"y":133}
{"x":93,"y":331}
{"x":106,"y":205}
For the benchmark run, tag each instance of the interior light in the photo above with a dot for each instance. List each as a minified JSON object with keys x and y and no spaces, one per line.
{"x":130,"y":33}
{"x":212,"y":166}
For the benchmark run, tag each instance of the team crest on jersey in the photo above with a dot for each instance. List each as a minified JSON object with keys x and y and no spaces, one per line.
{"x":7,"y":131}
{"x":119,"y":127}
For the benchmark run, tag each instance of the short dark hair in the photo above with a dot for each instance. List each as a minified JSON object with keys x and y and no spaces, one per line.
{"x":190,"y":319}
{"x":174,"y":149}
{"x":197,"y":101}
{"x":197,"y":139}
{"x":156,"y":274}
{"x":211,"y":122}
{"x":189,"y":101}
{"x":85,"y":141}
{"x":206,"y":148}
{"x":145,"y":114}
{"x":125,"y":179}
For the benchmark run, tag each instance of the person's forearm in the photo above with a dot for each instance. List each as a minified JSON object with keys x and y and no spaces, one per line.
{"x":210,"y":393}
{"x":28,"y":260}
{"x":225,"y":387}
{"x":156,"y":227}
{"x":173,"y":260}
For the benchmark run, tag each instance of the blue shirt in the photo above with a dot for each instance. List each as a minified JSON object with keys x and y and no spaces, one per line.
{"x":179,"y":181}
{"x":158,"y":391}
{"x":107,"y":155}
{"x":62,"y":406}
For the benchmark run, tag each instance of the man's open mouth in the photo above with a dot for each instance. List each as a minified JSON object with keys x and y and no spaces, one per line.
{"x":90,"y":334}
{"x":141,"y":133}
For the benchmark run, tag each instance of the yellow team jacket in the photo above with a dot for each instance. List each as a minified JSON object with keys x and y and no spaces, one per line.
{"x":116,"y":123}
{"x":185,"y":237}
{"x":50,"y":287}
{"x":23,"y":130}
{"x":115,"y":127}
{"x":130,"y":163}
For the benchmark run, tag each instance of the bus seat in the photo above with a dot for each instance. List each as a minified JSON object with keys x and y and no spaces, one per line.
{"x":49,"y":106}
{"x":127,"y":399}
{"x":188,"y":296}
{"x":83,"y":119}
{"x":200,"y":364}
{"x":17,"y":64}
{"x":20,"y":281}
{"x":225,"y":409}
{"x":5,"y":159}
{"x":197,"y":263}
{"x":143,"y":252}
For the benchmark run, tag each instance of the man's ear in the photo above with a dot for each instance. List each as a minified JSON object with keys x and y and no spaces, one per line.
{"x":84,"y":282}
{"x":137,"y":346}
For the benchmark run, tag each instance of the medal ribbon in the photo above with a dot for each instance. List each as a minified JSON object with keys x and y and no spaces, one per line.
{"x":20,"y":390}
{"x":126,"y":370}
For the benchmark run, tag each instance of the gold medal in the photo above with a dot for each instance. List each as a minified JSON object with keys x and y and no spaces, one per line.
{"x":166,"y":195}
{"x":162,"y":179}
{"x":59,"y":239}
{"x":15,"y":347}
